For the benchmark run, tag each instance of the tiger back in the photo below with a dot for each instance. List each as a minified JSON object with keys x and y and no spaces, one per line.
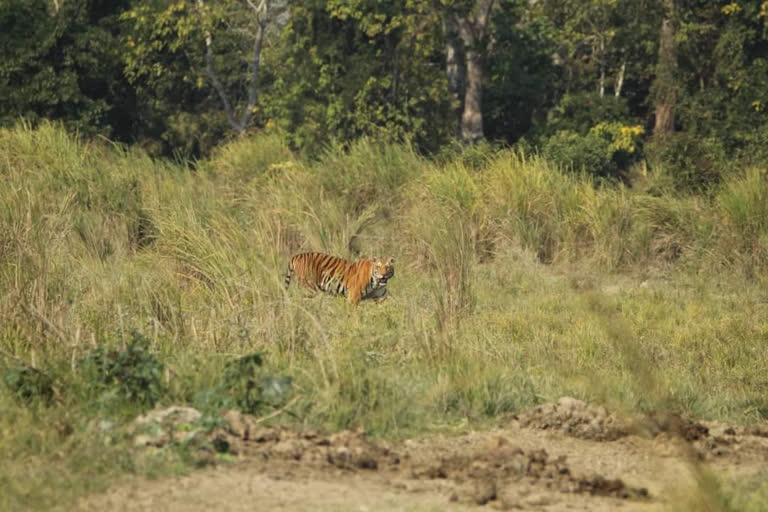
{"x":363,"y":279}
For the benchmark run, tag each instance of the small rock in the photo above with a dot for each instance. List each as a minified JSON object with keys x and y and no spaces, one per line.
{"x":237,"y":425}
{"x":173,"y":415}
{"x":485,"y":491}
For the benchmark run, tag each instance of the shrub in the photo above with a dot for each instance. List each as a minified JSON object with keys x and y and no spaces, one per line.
{"x":580,"y":112}
{"x":590,"y":153}
{"x":245,"y":386}
{"x":623,"y":141}
{"x":134,"y":373}
{"x":694,"y":164}
{"x":26,"y":384}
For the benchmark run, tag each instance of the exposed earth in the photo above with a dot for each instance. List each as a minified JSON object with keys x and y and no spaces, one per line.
{"x":563,"y":456}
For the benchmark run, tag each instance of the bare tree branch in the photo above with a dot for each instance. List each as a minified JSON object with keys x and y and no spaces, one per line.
{"x":259,"y":9}
{"x":481,"y":22}
{"x":215,"y":79}
{"x":260,"y":12}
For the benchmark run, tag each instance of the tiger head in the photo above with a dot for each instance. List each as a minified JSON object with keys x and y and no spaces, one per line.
{"x":382,"y":269}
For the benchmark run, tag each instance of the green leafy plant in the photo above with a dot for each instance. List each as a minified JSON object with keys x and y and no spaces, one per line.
{"x":579,"y":112}
{"x":590,"y":153}
{"x":26,"y":384}
{"x":244,"y":385}
{"x":133,"y":373}
{"x":249,"y":388}
{"x":694,"y":164}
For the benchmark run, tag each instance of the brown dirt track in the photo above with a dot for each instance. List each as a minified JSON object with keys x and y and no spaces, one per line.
{"x":564,"y":456}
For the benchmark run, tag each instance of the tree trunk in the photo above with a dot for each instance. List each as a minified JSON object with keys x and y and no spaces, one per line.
{"x":455,"y":65}
{"x":601,"y":61}
{"x":472,"y":114}
{"x":260,"y":13}
{"x":468,"y":51}
{"x":620,"y":79}
{"x":665,"y":85}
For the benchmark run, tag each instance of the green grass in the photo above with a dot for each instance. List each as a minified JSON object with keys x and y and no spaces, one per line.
{"x":515,"y":284}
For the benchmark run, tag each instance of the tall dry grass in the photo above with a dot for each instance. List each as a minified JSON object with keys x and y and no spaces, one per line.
{"x":497,"y":255}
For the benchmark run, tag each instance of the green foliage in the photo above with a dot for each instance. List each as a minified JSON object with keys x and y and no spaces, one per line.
{"x":133,"y":372}
{"x":62,"y":64}
{"x":27,"y":384}
{"x":724,"y":72}
{"x":349,"y":69}
{"x":163,"y":57}
{"x":606,"y":150}
{"x":250,"y":159}
{"x":579,"y":112}
{"x":250,"y":390}
{"x":332,"y":71}
{"x":588,"y":153}
{"x":245,"y":385}
{"x":520,"y":72}
{"x":695,"y":165}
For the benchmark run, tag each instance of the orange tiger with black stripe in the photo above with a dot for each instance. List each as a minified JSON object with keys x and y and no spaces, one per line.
{"x":359,"y":280}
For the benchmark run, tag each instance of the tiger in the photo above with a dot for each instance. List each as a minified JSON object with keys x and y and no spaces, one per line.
{"x":363,"y":279}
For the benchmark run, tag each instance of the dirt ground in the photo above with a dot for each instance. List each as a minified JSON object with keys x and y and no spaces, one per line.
{"x":563,"y":456}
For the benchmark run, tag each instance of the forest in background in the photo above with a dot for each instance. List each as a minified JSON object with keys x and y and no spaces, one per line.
{"x":594,"y":85}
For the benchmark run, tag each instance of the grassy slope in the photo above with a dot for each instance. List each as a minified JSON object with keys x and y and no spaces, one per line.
{"x":643,"y":300}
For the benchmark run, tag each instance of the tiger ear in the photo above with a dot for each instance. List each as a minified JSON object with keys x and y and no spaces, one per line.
{"x":391,"y":259}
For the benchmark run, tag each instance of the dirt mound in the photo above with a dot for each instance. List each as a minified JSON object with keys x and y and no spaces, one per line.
{"x":510,"y":468}
{"x":579,"y":419}
{"x":674,"y":425}
{"x":575,"y":418}
{"x":708,"y":440}
{"x":496,"y":472}
{"x":346,"y":449}
{"x":756,"y":430}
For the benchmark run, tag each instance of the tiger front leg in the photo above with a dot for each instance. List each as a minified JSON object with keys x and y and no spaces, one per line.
{"x":354,"y":294}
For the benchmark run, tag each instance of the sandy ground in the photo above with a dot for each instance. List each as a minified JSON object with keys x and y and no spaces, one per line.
{"x":564,"y":456}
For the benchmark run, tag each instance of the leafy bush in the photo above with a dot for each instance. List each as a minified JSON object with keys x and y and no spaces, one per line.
{"x":607,"y":149}
{"x":694,"y":164}
{"x":27,"y":384}
{"x":580,"y":112}
{"x":590,"y":153}
{"x":623,"y":141}
{"x":246,"y":387}
{"x":134,"y":373}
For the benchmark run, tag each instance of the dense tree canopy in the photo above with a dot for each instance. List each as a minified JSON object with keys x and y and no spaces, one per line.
{"x":571,"y":77}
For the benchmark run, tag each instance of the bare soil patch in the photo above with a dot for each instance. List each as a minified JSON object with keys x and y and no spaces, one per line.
{"x":567,"y":455}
